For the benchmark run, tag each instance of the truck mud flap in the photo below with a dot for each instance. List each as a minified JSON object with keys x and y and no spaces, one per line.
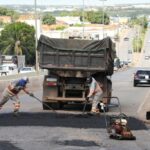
{"x":148,"y":115}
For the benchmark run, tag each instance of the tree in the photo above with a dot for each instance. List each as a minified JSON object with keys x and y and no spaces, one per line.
{"x":9,"y":12}
{"x":141,"y":21}
{"x":97,"y":17}
{"x":137,"y":44}
{"x":49,"y":19}
{"x":141,"y":25}
{"x":17,"y":39}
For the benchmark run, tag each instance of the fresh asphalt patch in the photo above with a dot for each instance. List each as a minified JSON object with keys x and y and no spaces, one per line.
{"x":6,"y":145}
{"x":70,"y":120}
{"x":77,"y":143}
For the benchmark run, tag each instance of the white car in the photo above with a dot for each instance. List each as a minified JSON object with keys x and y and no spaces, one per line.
{"x":8,"y":69}
{"x":147,"y":57}
{"x":26,"y":70}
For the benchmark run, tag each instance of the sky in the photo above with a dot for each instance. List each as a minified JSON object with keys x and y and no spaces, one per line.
{"x":73,"y":2}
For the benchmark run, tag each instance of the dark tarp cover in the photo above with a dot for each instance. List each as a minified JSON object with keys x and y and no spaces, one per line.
{"x":74,"y":44}
{"x":46,"y":44}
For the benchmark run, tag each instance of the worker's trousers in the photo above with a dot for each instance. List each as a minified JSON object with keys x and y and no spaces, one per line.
{"x":6,"y":95}
{"x":96,"y":100}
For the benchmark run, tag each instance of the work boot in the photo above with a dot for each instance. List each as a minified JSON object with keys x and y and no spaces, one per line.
{"x":95,"y":111}
{"x":16,"y":109}
{"x":16,"y":113}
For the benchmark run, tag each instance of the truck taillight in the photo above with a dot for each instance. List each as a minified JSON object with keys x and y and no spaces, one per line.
{"x":51,"y":81}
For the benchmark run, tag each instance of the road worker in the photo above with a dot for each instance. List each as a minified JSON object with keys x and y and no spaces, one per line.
{"x":12,"y":90}
{"x":95,"y":92}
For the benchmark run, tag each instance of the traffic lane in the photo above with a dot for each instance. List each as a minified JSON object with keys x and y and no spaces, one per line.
{"x":130,"y":97}
{"x":124,"y":45}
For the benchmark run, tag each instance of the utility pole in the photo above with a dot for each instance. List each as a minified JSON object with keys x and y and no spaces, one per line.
{"x":36,"y":52}
{"x":83,"y":7}
{"x":118,"y":36}
{"x":103,"y":16}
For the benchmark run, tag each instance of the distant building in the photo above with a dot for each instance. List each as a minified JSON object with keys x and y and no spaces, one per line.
{"x":26,"y":17}
{"x":5,"y":19}
{"x":119,"y":20}
{"x":68,"y":20}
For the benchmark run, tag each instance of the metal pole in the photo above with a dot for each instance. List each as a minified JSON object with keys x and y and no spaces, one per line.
{"x":118,"y":35}
{"x":36,"y":52}
{"x":103,"y":16}
{"x":83,"y":20}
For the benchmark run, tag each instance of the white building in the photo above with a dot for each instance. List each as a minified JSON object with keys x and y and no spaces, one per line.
{"x":69,"y":20}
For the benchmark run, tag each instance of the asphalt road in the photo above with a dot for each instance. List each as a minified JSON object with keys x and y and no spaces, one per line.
{"x":123,"y":46}
{"x":35,"y":129}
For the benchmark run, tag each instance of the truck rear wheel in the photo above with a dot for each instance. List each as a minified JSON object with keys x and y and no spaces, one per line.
{"x":45,"y":106}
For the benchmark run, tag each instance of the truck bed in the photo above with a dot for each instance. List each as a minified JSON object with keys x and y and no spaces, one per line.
{"x":78,"y":55}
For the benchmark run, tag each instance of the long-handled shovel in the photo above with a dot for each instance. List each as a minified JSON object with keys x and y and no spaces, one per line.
{"x":84,"y":107}
{"x":42,"y":102}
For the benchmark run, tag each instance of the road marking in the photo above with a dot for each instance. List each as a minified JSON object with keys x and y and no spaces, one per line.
{"x":145,"y":99}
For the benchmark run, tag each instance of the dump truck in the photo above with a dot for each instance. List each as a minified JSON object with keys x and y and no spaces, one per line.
{"x":68,"y":63}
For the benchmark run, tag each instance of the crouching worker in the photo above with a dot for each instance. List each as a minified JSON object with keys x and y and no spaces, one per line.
{"x":95,"y":92}
{"x":12,"y":90}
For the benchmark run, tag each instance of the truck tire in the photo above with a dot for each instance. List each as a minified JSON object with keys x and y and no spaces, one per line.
{"x":45,"y":106}
{"x":134,"y":84}
{"x":106,"y":108}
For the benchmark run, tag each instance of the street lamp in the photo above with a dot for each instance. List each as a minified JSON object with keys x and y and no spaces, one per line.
{"x":103,"y":15}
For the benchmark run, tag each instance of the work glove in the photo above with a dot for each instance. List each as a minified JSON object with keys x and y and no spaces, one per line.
{"x":31,"y":94}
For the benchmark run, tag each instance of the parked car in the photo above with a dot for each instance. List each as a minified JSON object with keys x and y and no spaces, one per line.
{"x":141,"y":77}
{"x":126,"y":39}
{"x":8,"y":69}
{"x":147,"y":57}
{"x":129,"y":51}
{"x":26,"y":70}
{"x":123,"y":63}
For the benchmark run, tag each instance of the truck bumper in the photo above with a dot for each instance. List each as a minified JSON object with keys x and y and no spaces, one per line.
{"x":63,"y":99}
